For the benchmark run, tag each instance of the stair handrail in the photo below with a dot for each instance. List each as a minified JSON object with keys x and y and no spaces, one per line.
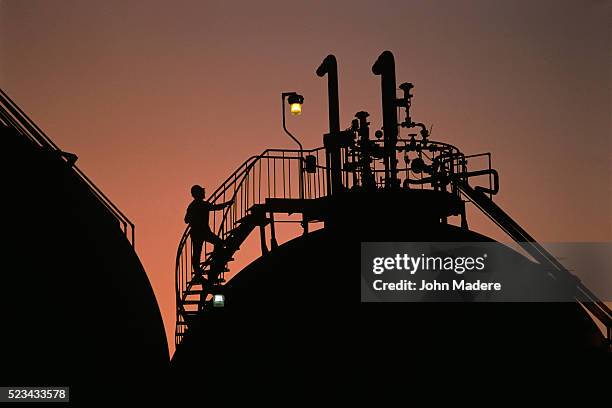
{"x":584,"y":296}
{"x":180,"y":292}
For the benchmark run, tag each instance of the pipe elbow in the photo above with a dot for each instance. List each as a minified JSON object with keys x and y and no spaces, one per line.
{"x":384,"y":61}
{"x":494,"y":188}
{"x":328,"y":64}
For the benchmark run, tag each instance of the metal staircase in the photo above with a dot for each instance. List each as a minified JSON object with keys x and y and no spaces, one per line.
{"x":257,"y":188}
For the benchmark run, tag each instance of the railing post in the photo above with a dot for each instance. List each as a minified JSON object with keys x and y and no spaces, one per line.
{"x":301,"y":177}
{"x":273,"y":242}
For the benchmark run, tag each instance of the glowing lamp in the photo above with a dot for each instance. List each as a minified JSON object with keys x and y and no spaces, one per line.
{"x":296,"y":109}
{"x":295,"y":103}
{"x":218,"y":300}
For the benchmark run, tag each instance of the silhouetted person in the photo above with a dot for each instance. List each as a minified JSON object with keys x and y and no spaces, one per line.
{"x":197,"y":217}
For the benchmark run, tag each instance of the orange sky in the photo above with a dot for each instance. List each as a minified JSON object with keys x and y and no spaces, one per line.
{"x":155,"y":96}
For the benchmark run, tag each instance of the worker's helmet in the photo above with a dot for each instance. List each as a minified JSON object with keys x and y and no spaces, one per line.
{"x":197,"y":191}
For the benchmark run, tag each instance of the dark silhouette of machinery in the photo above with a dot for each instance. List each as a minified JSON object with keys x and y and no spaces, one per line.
{"x":299,"y":299}
{"x":78,"y":309}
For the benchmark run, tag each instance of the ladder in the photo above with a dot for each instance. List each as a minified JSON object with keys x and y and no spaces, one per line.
{"x":582,"y":294}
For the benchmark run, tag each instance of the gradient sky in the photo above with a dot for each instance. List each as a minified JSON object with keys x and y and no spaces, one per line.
{"x":155,"y":96}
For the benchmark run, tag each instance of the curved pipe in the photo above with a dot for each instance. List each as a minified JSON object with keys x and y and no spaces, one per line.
{"x":432,"y":179}
{"x":486,"y":190}
{"x":424,"y":131}
{"x":384,"y":62}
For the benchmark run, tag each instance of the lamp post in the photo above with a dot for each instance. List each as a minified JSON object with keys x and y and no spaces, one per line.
{"x":295,"y":102}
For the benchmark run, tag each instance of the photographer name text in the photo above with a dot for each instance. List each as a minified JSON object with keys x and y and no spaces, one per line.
{"x":435,"y":286}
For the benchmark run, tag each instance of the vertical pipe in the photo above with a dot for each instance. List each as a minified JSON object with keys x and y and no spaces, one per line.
{"x":329,"y":66}
{"x":385,"y":67}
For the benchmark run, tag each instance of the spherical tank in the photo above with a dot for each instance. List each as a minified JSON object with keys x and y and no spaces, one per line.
{"x":79,"y":308}
{"x":299,"y":306}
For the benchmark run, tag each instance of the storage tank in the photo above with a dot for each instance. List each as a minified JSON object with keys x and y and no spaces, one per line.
{"x":78,"y":310}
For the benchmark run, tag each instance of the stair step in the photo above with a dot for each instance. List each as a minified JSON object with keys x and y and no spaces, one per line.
{"x":241,"y":228}
{"x":191,"y":302}
{"x":252,"y":219}
{"x":230,"y":259}
{"x":211,"y":260}
{"x":194,"y":292}
{"x":190,"y":314}
{"x":201,"y":284}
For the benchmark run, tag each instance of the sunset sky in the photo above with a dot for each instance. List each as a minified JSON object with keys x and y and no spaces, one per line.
{"x":155,"y":96}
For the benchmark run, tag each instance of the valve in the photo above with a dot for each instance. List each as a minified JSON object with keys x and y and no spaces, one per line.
{"x":405,"y":103}
{"x":418,"y":165}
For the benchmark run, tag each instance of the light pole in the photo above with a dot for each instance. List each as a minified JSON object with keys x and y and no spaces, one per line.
{"x":295,"y":102}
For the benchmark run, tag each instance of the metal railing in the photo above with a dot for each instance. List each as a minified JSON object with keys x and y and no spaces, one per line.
{"x":13,"y":117}
{"x":275,"y":173}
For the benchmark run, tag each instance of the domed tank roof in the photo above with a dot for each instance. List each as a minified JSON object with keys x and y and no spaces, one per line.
{"x":301,"y":301}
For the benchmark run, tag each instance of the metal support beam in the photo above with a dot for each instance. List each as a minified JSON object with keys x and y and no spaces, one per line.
{"x":262,"y":235}
{"x":273,"y":242}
